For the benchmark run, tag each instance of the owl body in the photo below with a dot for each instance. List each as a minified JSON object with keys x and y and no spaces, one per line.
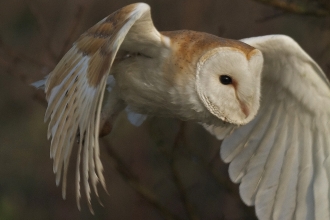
{"x":264,"y":97}
{"x":165,"y":84}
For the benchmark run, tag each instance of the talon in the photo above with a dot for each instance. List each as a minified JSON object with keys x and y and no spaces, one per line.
{"x":106,"y":129}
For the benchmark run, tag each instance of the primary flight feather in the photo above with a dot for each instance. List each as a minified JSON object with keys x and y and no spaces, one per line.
{"x":264,"y":96}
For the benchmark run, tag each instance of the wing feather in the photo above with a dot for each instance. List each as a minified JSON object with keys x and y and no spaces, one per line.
{"x":281,"y":158}
{"x":254,"y":169}
{"x":285,"y":195}
{"x":75,"y":91}
{"x":55,"y":98}
{"x":321,"y":182}
{"x":242,"y":154}
{"x":305,"y":199}
{"x":272,"y":171}
{"x":241,"y":138}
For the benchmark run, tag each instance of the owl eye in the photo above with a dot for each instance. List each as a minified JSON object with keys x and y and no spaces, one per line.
{"x":226,"y":80}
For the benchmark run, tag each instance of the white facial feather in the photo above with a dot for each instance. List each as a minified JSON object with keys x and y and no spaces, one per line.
{"x":266,"y":98}
{"x":237,"y":102}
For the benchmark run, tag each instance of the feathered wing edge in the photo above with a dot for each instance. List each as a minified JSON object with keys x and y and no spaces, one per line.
{"x":281,"y":158}
{"x":75,"y":90}
{"x":134,"y":118}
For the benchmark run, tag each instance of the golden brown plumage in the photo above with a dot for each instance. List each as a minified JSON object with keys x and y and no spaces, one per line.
{"x":263,"y":101}
{"x":75,"y":89}
{"x":126,"y":45}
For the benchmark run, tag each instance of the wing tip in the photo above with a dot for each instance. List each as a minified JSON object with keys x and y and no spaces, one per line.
{"x":39,"y":84}
{"x":142,"y":6}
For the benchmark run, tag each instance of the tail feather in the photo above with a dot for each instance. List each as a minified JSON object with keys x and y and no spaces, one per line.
{"x":40,"y":84}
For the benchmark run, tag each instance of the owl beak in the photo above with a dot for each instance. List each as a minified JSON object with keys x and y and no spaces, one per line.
{"x":244,"y":109}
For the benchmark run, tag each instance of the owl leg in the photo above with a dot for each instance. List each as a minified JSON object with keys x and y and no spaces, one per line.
{"x":112,"y":106}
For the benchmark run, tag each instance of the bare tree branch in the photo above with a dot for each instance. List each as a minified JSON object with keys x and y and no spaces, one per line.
{"x":133,"y":181}
{"x":296,"y":8}
{"x":176,"y":175}
{"x":43,"y":29}
{"x":74,"y":29}
{"x":13,"y":54}
{"x":271,"y":17}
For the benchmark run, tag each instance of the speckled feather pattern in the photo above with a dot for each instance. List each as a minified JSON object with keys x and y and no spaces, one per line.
{"x":74,"y":91}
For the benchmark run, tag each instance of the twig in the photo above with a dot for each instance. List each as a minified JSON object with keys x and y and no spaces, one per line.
{"x":39,"y":96}
{"x":176,"y":175}
{"x":271,"y":17}
{"x":43,"y":30}
{"x":81,"y":9}
{"x":4,"y":63}
{"x":21,"y":57}
{"x":133,"y":181}
{"x":74,"y":29}
{"x":10,"y":65}
{"x":221,"y":180}
{"x":209,"y":167}
{"x":15,"y":57}
{"x":296,"y":8}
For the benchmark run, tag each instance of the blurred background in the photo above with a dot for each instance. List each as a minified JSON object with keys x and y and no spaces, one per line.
{"x":165,"y":169}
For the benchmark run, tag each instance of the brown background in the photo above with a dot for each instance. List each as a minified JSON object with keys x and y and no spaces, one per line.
{"x":174,"y":164}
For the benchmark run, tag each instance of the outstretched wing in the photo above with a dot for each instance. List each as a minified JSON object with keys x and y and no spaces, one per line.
{"x":281,"y":158}
{"x":76,"y":86}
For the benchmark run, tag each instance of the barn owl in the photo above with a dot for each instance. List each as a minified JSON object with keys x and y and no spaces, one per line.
{"x":264,"y":96}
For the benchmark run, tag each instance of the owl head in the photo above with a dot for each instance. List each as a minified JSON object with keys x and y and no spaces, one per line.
{"x":228,"y":83}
